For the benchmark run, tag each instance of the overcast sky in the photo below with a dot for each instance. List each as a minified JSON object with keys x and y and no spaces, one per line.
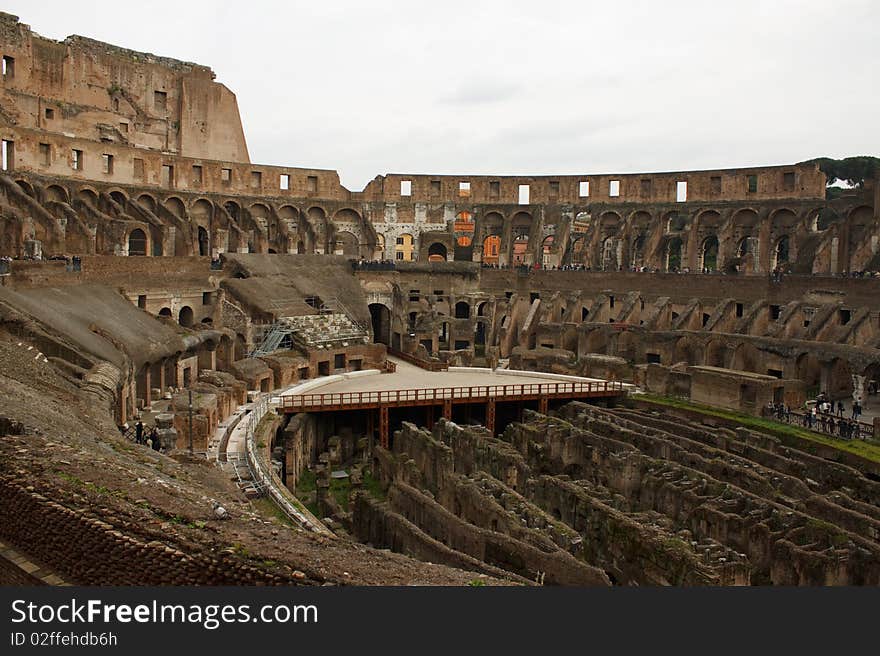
{"x":515,"y":88}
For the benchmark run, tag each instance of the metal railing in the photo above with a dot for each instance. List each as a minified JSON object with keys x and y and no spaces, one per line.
{"x":263,"y":477}
{"x":829,"y":424}
{"x":428,"y":396}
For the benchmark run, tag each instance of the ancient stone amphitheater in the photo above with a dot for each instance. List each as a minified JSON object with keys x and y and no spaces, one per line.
{"x":594,"y":379}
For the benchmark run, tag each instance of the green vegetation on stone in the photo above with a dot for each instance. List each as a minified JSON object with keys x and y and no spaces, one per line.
{"x":860,"y":448}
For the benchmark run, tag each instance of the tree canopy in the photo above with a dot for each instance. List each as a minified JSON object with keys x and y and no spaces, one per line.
{"x":852,"y":170}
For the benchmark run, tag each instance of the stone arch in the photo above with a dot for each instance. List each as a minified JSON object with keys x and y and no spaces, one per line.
{"x":716,"y":353}
{"x":610,"y":222}
{"x":148,"y":201}
{"x":745,"y":217}
{"x":26,"y":187}
{"x":675,"y":221}
{"x":709,"y":220}
{"x":201,"y":210}
{"x":674,"y":249}
{"x":204,"y":242}
{"x":747,"y":358}
{"x":137,"y":242}
{"x":578,"y":251}
{"x":185,"y":316}
{"x":380,"y":320}
{"x":609,"y":254}
{"x":346,"y":244}
{"x":781,"y":252}
{"x":783,"y":219}
{"x":88,"y":195}
{"x":57,"y":193}
{"x":317,"y":219}
{"x":687,"y":350}
{"x":233,"y":209}
{"x":165,"y":312}
{"x":549,"y":252}
{"x":596,"y":342}
{"x":709,"y":254}
{"x":462,"y":310}
{"x":481,"y":309}
{"x":174,"y":205}
{"x":637,"y":252}
{"x":119,"y":197}
{"x":437,"y":252}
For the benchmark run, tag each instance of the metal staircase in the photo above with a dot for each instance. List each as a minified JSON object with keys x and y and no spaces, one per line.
{"x":271,"y":339}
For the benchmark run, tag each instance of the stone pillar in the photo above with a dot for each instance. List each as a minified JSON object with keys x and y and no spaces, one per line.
{"x":165,"y":432}
{"x":148,"y":399}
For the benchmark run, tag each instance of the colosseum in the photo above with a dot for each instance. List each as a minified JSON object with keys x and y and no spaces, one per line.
{"x":251,"y":375}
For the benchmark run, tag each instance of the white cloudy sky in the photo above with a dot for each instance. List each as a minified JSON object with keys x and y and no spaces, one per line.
{"x":518,"y":87}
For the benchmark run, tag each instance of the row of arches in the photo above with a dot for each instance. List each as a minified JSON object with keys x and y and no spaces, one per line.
{"x":601,"y":237}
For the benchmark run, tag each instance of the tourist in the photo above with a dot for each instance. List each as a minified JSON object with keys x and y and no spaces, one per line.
{"x":856,"y":410}
{"x":840,"y":408}
{"x":139,"y":432}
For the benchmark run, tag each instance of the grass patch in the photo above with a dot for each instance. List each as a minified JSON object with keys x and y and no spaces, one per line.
{"x":265,"y":506}
{"x":339,"y":488}
{"x":856,"y":447}
{"x":305,"y":489}
{"x":373,"y":486}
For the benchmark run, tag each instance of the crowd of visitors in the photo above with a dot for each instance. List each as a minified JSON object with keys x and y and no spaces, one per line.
{"x":823,"y":415}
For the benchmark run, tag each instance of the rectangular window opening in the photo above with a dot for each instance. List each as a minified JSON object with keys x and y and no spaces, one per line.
{"x":524,"y":194}
{"x":435,"y":187}
{"x":160,"y":100}
{"x":206,"y":298}
{"x":739,"y":310}
{"x":614,"y":188}
{"x":464,"y":189}
{"x":123,"y":127}
{"x":256,"y":179}
{"x":76,"y":159}
{"x":406,"y":187}
{"x":7,"y":154}
{"x":49,"y":113}
{"x":584,"y":188}
{"x":715,"y":184}
{"x":226,"y":176}
{"x":142,"y":301}
{"x":8,"y":66}
{"x":45,"y":154}
{"x":312,"y":184}
{"x":554,"y":189}
{"x":753,"y":184}
{"x":645,"y":187}
{"x":107,"y":163}
{"x":167,"y":175}
{"x":681,"y":191}
{"x":197,"y":174}
{"x":494,"y":189}
{"x":138,"y":168}
{"x":788,"y":181}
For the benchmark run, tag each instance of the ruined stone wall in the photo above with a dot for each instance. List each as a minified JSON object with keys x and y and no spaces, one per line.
{"x":101,"y":92}
{"x":90,"y":549}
